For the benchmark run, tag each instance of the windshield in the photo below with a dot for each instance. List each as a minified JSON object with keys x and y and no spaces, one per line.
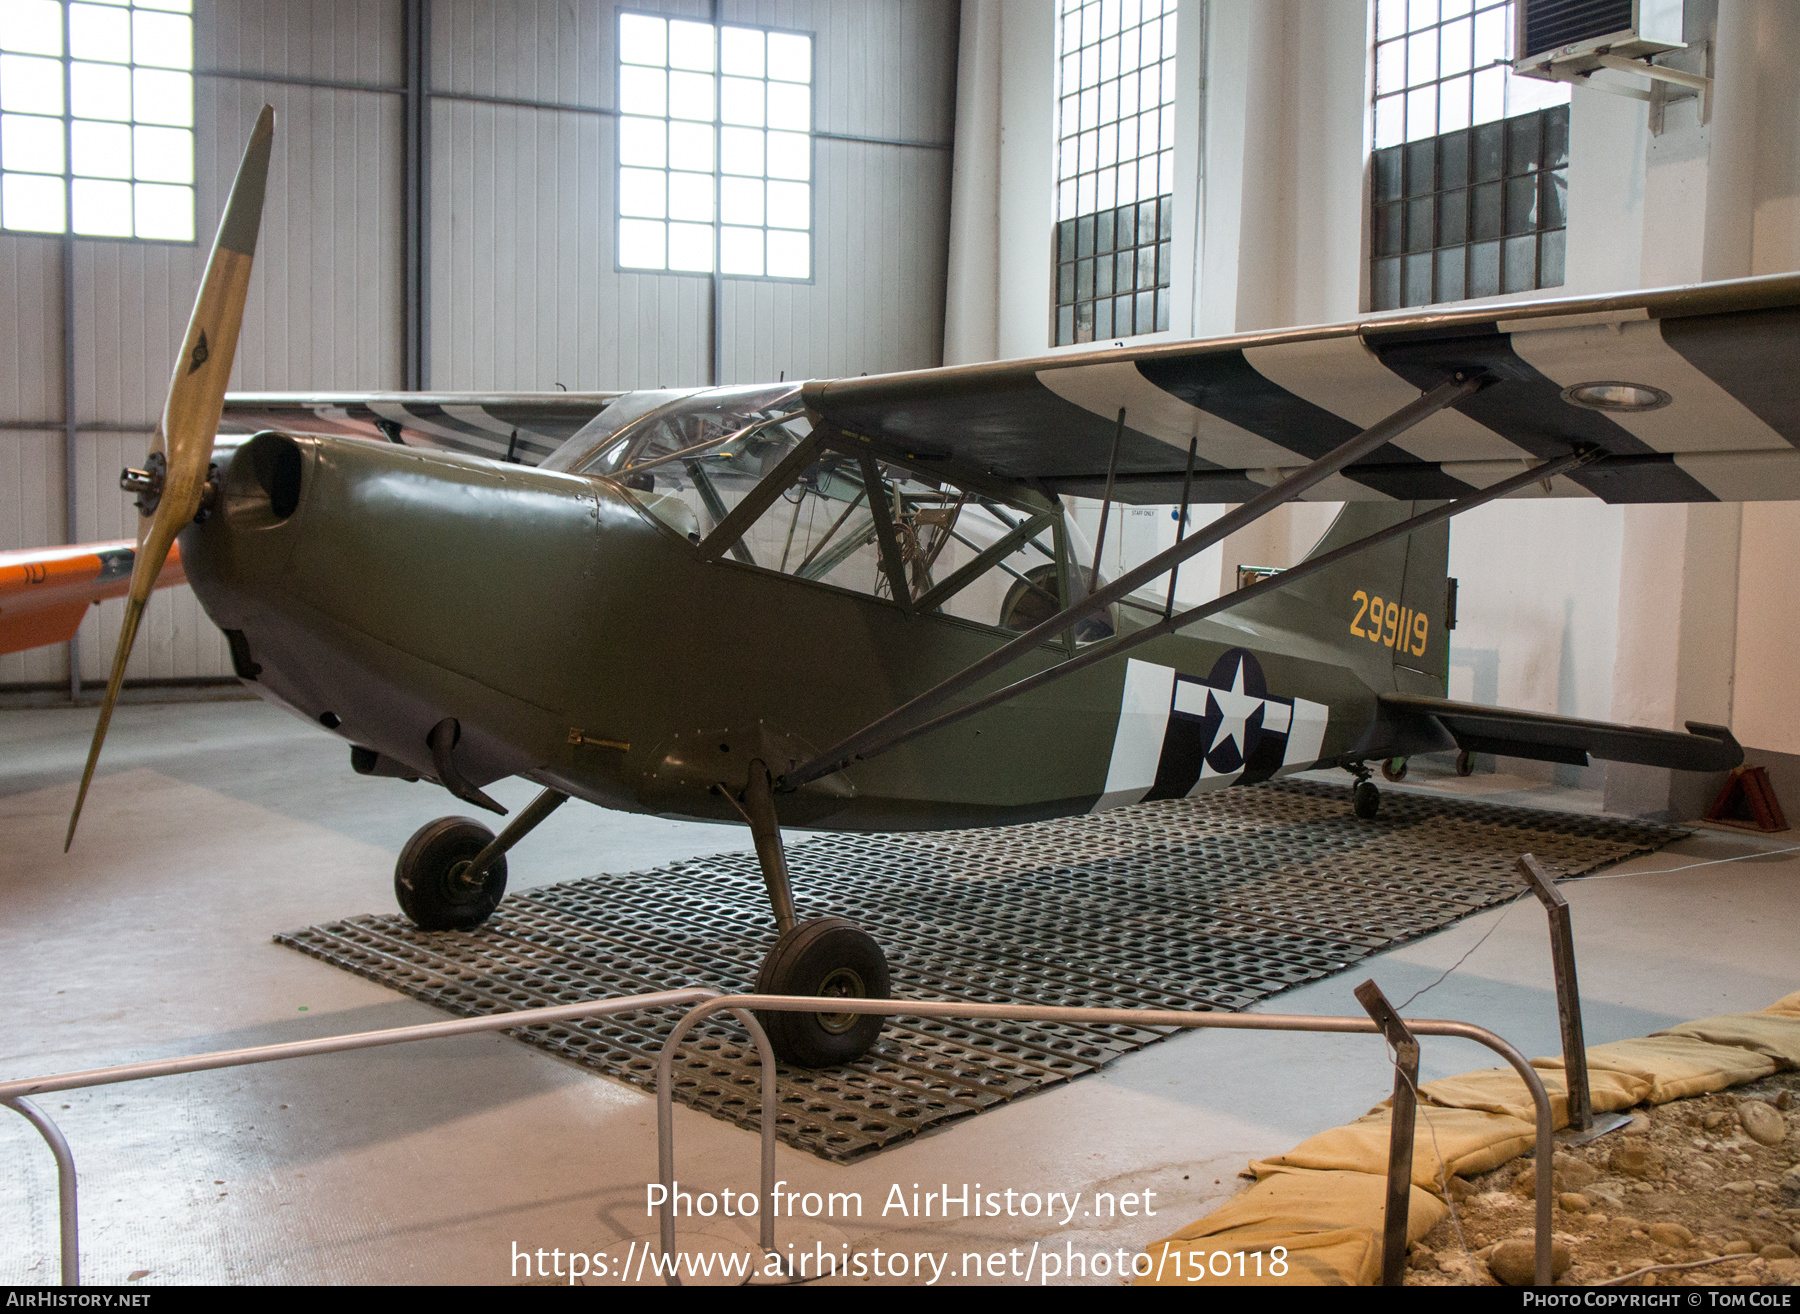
{"x":599,"y":432}
{"x":689,"y":457}
{"x":663,"y":440}
{"x":849,"y":519}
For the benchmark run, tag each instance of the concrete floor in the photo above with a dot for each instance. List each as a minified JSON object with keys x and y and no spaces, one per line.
{"x":214,"y":825}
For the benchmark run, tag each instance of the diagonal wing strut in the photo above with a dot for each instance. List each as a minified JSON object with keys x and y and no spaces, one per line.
{"x":902,"y":724}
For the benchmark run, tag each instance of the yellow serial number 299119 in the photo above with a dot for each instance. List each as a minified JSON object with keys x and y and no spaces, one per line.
{"x":1390,"y":623}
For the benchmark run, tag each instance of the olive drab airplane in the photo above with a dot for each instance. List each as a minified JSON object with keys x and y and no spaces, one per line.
{"x":860,"y":604}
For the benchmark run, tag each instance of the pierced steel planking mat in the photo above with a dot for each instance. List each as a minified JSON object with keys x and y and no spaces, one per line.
{"x":1213,"y":902}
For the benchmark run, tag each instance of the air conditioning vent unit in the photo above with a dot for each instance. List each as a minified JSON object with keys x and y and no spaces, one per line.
{"x":1571,"y":35}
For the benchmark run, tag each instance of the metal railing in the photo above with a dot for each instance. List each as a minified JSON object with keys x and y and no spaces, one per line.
{"x":706,"y":1001}
{"x":13,"y":1094}
{"x":1399,"y":1169}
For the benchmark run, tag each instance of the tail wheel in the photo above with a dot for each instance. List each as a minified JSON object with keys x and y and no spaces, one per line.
{"x":826,"y":956}
{"x":431,"y":879}
{"x":1394,"y":768}
{"x":1365,"y":800}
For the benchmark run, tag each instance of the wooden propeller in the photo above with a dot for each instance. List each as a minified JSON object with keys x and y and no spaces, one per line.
{"x":173,"y":481}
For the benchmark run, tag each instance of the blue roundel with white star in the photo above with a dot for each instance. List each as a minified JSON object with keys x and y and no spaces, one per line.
{"x":1230,"y":724}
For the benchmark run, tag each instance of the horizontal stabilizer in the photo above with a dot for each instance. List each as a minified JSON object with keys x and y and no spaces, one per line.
{"x":1542,"y":737}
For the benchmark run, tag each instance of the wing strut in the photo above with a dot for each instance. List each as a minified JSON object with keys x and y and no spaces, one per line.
{"x":838,"y":757}
{"x":1112,"y":469}
{"x":1112,"y":648}
{"x":882,"y":734}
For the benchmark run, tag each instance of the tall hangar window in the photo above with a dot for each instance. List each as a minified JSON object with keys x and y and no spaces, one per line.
{"x":715,"y":148}
{"x":97,"y":118}
{"x":1115,"y":171}
{"x":1470,"y":178}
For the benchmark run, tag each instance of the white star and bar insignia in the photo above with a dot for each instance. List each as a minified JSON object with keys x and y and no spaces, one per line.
{"x":1179,"y":735}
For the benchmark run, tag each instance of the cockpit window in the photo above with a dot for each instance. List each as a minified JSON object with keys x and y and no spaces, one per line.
{"x":598,"y":433}
{"x":842,"y":517}
{"x":689,"y":457}
{"x":653,"y":426}
{"x":948,"y":549}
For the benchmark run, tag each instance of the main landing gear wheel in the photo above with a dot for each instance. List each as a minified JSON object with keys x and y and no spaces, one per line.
{"x":826,"y":956}
{"x":1365,"y":799}
{"x":1393,"y":768}
{"x":432,"y":882}
{"x":1465,"y":763}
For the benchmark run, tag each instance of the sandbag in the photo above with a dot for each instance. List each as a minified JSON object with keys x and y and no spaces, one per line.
{"x":1329,"y":1223}
{"x":1468,"y":1140}
{"x":1679,"y":1066}
{"x":1323,"y":1201}
{"x":1501,"y":1090}
{"x":1767,"y":1033}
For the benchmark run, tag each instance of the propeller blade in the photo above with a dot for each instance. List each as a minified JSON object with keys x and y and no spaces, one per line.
{"x":183,"y":442}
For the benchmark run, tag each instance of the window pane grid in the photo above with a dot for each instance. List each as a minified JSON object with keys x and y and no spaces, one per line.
{"x":715,"y":149}
{"x":1115,"y":168}
{"x":1444,"y":67}
{"x":1471,"y":213}
{"x":97,"y":118}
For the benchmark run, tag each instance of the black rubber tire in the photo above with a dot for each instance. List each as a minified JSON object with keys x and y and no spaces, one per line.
{"x":425,"y":877}
{"x":823,"y":956}
{"x":1465,"y":763}
{"x":1365,"y":799}
{"x":1393,"y":768}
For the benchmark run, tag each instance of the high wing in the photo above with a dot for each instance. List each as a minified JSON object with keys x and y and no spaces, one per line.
{"x":1717,"y":362}
{"x":523,"y":426}
{"x":45,"y":592}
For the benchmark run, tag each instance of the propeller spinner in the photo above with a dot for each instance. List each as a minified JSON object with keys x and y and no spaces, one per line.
{"x":173,"y":482}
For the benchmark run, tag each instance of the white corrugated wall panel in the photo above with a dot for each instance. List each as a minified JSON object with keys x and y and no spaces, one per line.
{"x":31,"y":514}
{"x":324,"y":309}
{"x":31,"y":349}
{"x":877,"y":299}
{"x":31,"y":461}
{"x":541,"y":50}
{"x":880,"y":69}
{"x":326,"y":293}
{"x":524,"y":290}
{"x":327,"y":40}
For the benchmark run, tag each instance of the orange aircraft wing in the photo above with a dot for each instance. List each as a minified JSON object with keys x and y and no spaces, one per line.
{"x":44,"y":592}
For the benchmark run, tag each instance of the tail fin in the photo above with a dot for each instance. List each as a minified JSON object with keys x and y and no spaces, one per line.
{"x":1385,"y":607}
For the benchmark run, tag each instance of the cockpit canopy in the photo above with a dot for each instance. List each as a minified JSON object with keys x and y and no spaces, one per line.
{"x":847,"y":518}
{"x":731,"y":434}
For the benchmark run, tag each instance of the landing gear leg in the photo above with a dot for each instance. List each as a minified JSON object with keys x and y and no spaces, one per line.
{"x":825,"y":956}
{"x":1365,"y":799}
{"x":765,"y":830}
{"x":452,"y":873}
{"x":518,"y":828}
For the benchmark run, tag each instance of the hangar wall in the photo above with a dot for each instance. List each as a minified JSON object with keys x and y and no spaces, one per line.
{"x":323,"y":309}
{"x":1647,"y":614}
{"x":524,"y":293}
{"x":520,"y":289}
